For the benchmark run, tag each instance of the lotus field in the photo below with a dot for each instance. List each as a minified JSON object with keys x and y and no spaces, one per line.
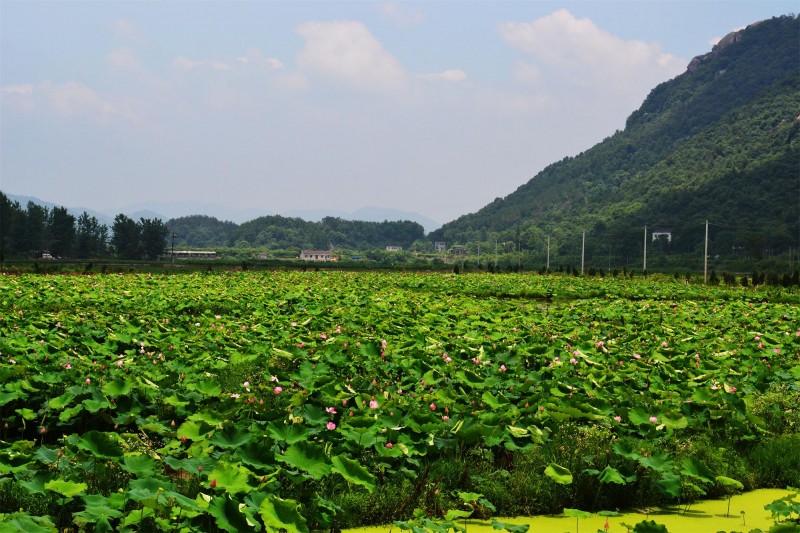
{"x":296,"y":401}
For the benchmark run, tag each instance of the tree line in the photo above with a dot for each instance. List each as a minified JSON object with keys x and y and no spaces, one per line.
{"x":34,"y":230}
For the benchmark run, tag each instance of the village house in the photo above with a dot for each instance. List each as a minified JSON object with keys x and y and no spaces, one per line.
{"x":316,"y":255}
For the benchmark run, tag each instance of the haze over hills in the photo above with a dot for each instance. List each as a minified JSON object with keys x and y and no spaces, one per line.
{"x":719,"y":142}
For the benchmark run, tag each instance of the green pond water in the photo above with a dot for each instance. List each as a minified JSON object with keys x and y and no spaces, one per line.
{"x":702,"y":517}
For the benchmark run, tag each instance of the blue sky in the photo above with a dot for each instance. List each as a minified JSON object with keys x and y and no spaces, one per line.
{"x":428,"y":107}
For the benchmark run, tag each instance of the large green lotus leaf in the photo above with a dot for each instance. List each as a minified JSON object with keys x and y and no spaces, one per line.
{"x":209,"y":416}
{"x":315,"y":415}
{"x":697,"y":469}
{"x":92,"y":405}
{"x":193,"y":430}
{"x":60,"y":402}
{"x":730,"y":482}
{"x":208,"y":388}
{"x":46,"y":455}
{"x":353,"y":472}
{"x":674,"y":421}
{"x":256,"y":453}
{"x":639,"y":416}
{"x":359,"y":422}
{"x":231,"y":477}
{"x":611,"y":475}
{"x":471,"y":379}
{"x":288,"y":433}
{"x":495,"y":402}
{"x":67,"y":414}
{"x":25,"y":413}
{"x":362,"y":439}
{"x":511,"y":528}
{"x":308,"y":457}
{"x":68,"y":489}
{"x":670,"y":483}
{"x":576,"y":513}
{"x":23,"y":523}
{"x":625,"y":450}
{"x":455,"y":514}
{"x":100,"y":445}
{"x":98,"y":509}
{"x":36,"y":484}
{"x":559,"y":474}
{"x":279,"y":514}
{"x":139,"y":465}
{"x":228,"y":514}
{"x":231,"y":436}
{"x":147,"y":490}
{"x":650,"y":526}
{"x":659,"y":462}
{"x":118,"y":387}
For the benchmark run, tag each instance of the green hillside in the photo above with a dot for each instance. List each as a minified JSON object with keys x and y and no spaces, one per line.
{"x":719,"y":142}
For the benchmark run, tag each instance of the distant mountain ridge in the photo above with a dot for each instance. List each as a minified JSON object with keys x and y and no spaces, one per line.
{"x":719,"y":142}
{"x":172,"y":210}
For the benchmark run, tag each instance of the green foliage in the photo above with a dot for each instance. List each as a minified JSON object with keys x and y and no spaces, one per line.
{"x":682,"y":159}
{"x":149,"y":401}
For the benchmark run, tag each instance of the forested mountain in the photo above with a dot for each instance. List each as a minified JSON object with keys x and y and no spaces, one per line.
{"x":282,"y":232}
{"x":278,"y":232}
{"x":719,"y":142}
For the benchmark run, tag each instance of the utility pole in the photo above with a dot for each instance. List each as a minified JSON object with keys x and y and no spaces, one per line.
{"x":644,"y":265}
{"x":495,"y":254}
{"x":705,"y":257}
{"x":583,"y":248}
{"x":548,"y":253}
{"x":173,"y":248}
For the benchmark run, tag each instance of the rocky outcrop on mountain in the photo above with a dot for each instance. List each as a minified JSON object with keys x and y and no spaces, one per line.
{"x":731,"y":38}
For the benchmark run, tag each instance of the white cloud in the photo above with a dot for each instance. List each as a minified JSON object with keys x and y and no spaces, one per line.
{"x":402,"y":15}
{"x":123,"y":58}
{"x":527,"y":73}
{"x":185,"y":64}
{"x":348,"y":53}
{"x":253,"y":56}
{"x":564,"y":43}
{"x":182,"y":63}
{"x":123,"y":29}
{"x":76,"y":99}
{"x":452,"y":75}
{"x":23,"y":89}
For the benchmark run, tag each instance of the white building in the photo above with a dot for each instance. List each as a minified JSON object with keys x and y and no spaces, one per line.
{"x":316,"y":255}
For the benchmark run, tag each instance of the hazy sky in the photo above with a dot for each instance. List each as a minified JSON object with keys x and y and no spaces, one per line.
{"x":432,"y":107}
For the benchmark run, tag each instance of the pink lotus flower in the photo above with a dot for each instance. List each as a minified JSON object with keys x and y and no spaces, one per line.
{"x":373,"y":404}
{"x":653,"y":420}
{"x":432,"y":407}
{"x":445,"y":418}
{"x":503,"y":368}
{"x":88,"y":381}
{"x":331,"y":426}
{"x":277,"y":390}
{"x":330,"y":410}
{"x":246,"y":384}
{"x":617,"y":418}
{"x":389,"y":445}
